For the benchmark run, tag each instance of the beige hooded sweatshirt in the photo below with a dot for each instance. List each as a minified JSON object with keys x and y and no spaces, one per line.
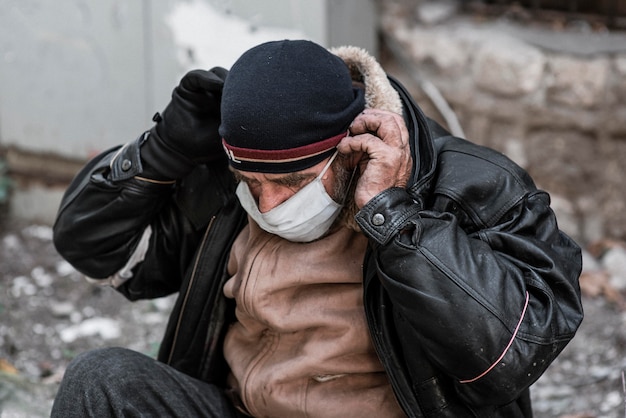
{"x":300,"y":346}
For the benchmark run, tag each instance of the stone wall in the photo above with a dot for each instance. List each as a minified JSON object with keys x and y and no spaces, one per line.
{"x":552,"y":100}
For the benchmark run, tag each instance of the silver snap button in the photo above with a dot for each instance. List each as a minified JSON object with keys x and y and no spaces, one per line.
{"x":126,"y":165}
{"x":378,"y":219}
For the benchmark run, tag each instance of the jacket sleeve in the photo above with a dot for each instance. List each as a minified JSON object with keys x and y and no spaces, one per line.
{"x":491,"y":306}
{"x":106,"y":211}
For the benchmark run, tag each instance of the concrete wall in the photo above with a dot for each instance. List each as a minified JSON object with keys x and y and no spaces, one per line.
{"x":78,"y":76}
{"x":72,"y":78}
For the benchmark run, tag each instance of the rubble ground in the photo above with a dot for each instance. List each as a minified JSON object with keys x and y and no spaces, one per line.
{"x":49,"y":314}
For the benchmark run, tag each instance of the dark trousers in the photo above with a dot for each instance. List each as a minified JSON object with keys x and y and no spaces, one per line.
{"x":117,"y":382}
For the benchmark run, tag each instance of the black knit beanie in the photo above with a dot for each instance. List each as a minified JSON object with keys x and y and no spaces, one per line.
{"x":285,"y":107}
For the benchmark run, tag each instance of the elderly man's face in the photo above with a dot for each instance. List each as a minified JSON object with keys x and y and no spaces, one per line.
{"x":270,"y":190}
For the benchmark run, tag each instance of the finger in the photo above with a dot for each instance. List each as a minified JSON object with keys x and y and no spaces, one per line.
{"x":352,"y":157}
{"x":388,"y":126}
{"x":376,"y":120}
{"x":369,"y":149}
{"x":220,"y":72}
{"x":363,"y":143}
{"x":203,"y":81}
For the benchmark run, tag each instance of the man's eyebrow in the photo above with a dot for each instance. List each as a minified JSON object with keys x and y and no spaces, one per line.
{"x":293,"y":179}
{"x":290,"y":179}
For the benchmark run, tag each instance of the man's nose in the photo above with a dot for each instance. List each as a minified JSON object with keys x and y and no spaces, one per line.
{"x":272,"y":195}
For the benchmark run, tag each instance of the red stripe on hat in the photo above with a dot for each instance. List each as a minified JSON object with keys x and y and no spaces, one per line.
{"x":282,"y":155}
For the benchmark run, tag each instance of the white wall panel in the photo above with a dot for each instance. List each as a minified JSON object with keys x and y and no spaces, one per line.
{"x":79,"y":76}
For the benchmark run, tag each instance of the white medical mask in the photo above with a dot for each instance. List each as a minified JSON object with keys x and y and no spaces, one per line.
{"x":304,"y":217}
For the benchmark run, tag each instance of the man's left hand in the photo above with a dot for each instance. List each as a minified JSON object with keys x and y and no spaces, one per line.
{"x":379,"y":143}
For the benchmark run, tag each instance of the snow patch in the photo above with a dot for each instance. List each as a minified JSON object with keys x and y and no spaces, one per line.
{"x":22,"y":286}
{"x":42,"y":232}
{"x":11,"y":242}
{"x":41,"y":277}
{"x":63,"y":268}
{"x":207,"y":37}
{"x":106,"y":328}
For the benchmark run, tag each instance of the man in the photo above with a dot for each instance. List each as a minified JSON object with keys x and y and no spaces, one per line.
{"x":336,"y":253}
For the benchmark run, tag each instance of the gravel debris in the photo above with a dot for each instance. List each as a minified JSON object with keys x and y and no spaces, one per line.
{"x":49,"y":314}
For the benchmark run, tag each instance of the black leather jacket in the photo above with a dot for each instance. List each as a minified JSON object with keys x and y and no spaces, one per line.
{"x":470,"y":288}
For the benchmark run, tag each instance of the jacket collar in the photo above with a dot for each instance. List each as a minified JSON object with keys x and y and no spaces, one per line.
{"x":387,"y":93}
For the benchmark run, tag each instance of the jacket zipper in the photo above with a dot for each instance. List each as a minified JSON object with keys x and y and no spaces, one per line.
{"x":379,"y":346}
{"x":382,"y":354}
{"x":188,"y":291}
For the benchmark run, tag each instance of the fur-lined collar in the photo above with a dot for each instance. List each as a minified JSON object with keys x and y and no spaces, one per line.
{"x":365,"y":69}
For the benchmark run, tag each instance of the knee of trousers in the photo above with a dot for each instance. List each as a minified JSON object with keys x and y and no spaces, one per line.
{"x":100,"y":365}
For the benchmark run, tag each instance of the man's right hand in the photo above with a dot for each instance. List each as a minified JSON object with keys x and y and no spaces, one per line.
{"x":186,"y":133}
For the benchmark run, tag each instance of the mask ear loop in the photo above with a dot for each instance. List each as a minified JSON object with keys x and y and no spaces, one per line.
{"x":349,"y":185}
{"x":351,"y":176}
{"x":328,"y":165}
